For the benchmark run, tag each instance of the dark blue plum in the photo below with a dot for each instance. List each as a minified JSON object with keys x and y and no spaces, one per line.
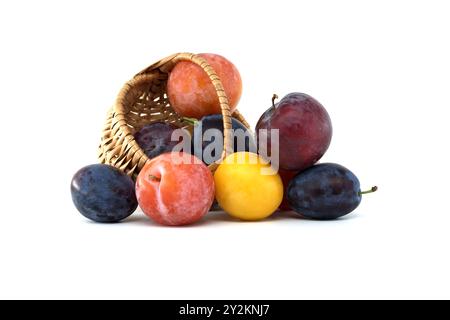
{"x":156,"y":138}
{"x":103,"y":193}
{"x":215,"y":121}
{"x":324,"y":192}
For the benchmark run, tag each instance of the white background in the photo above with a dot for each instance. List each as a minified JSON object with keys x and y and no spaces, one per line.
{"x":381,"y":68}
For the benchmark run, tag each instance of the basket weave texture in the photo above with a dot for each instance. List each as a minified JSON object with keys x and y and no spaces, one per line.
{"x":143,"y":100}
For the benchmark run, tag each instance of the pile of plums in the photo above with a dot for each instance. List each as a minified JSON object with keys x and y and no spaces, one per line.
{"x":323,"y":191}
{"x":176,"y":186}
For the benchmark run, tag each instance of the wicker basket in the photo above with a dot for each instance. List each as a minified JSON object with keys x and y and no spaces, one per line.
{"x":143,"y":100}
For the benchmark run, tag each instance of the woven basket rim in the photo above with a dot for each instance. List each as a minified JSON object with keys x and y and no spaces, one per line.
{"x":157,"y":71}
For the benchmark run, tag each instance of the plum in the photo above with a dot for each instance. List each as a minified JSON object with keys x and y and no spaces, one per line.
{"x":201,"y":142}
{"x":325,"y":191}
{"x":247,"y":187}
{"x":191,"y":92}
{"x":175,"y":189}
{"x":103,"y":193}
{"x":156,"y":138}
{"x":286,"y":177}
{"x":304,"y":130}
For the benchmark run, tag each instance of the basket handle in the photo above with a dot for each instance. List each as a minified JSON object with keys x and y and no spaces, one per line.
{"x":166,"y":64}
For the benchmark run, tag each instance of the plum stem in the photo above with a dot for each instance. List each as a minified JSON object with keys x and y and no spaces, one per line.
{"x":154,"y":178}
{"x":192,"y":121}
{"x":375,"y":188}
{"x":274,"y":97}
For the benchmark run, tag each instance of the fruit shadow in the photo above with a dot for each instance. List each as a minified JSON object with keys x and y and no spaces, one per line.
{"x":213,"y":217}
{"x":292,"y":215}
{"x":221,"y":217}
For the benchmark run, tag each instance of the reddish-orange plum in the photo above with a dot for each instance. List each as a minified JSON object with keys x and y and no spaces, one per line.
{"x":191,"y":92}
{"x":175,"y":189}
